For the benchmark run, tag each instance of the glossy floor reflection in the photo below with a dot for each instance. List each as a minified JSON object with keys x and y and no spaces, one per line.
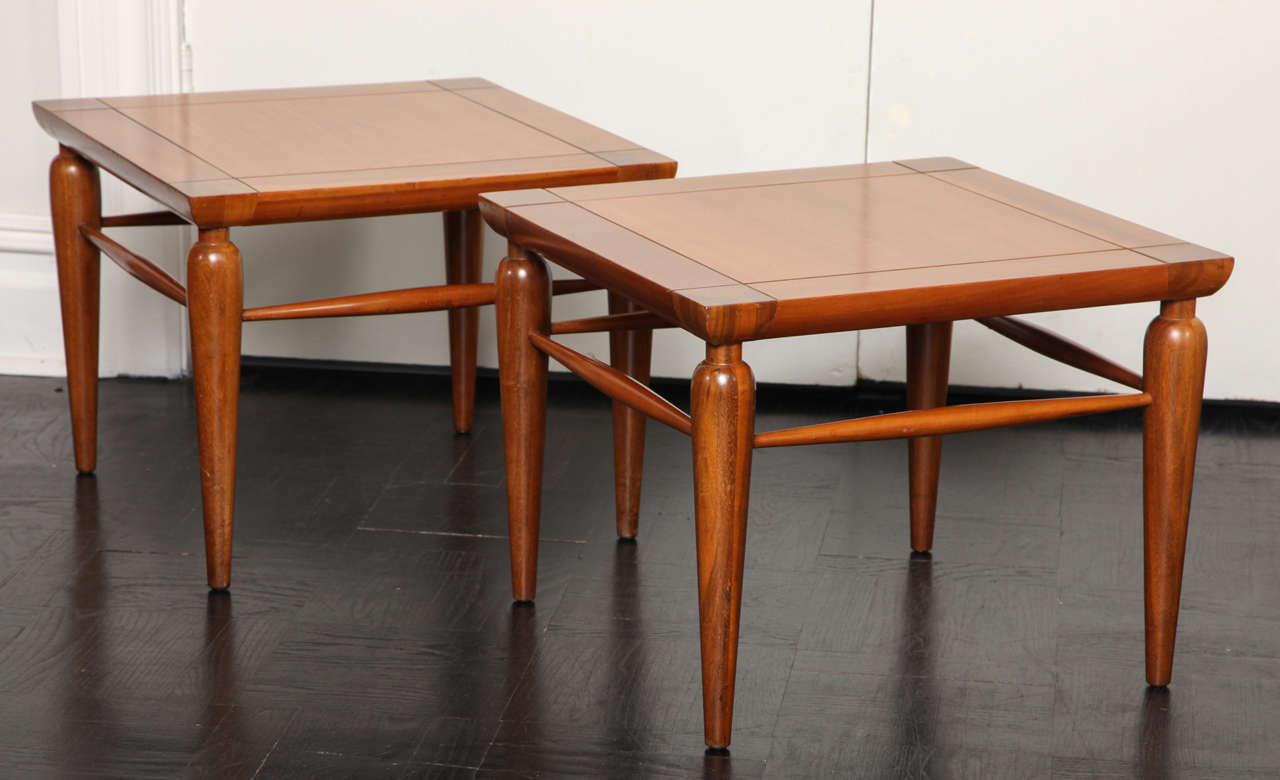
{"x":370,"y":633}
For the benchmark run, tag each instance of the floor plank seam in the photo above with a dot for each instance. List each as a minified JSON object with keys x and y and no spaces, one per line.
{"x":461,"y":534}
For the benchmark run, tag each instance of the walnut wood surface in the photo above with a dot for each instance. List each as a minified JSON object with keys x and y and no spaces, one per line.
{"x":928,"y":362}
{"x":1173,"y":371}
{"x":216,"y":293}
{"x":287,"y":155}
{"x":463,"y":248}
{"x":723,"y":410}
{"x":136,"y":266}
{"x":572,"y":286}
{"x":253,"y":157}
{"x":626,"y":320}
{"x":919,"y":243}
{"x":76,"y":200}
{"x":950,"y":419}
{"x":618,"y":385}
{"x":791,"y":252}
{"x":412,"y":299}
{"x":629,"y":352}
{"x":143,"y":219}
{"x":1063,"y":350}
{"x":523,"y":310}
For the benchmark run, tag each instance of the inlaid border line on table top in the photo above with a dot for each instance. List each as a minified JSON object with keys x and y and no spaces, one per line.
{"x":1113,"y":248}
{"x":518,"y":120}
{"x":245,"y":179}
{"x":1025,"y":210}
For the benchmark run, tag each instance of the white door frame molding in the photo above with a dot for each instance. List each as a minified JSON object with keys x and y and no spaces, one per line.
{"x":128,"y":44}
{"x":25,"y":234}
{"x":125,"y":47}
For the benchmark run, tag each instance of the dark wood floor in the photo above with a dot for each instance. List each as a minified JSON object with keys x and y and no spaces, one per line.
{"x":370,"y":632}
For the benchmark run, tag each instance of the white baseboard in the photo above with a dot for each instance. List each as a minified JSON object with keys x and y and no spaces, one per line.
{"x":30,"y":331}
{"x":32,"y":365}
{"x":26,"y":234}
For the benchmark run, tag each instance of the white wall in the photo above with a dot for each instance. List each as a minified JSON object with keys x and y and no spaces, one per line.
{"x":73,"y":48}
{"x":1163,"y":114}
{"x":30,"y":336}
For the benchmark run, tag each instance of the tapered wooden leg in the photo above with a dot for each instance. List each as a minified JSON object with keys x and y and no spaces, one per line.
{"x":463,"y":247}
{"x":215,"y":292}
{"x":1173,"y":373}
{"x":928,"y":361}
{"x":75,"y":199}
{"x":723,"y":403}
{"x":629,"y":351}
{"x":524,"y":305}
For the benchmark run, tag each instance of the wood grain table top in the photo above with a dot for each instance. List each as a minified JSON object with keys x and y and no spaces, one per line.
{"x":235,"y":158}
{"x":760,"y":255}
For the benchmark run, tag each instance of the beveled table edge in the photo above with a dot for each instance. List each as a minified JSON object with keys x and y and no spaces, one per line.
{"x":233,"y":206}
{"x":72,"y":138}
{"x":731,"y":313}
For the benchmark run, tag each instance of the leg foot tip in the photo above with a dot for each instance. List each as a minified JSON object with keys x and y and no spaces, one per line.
{"x":921,"y":555}
{"x":1164,"y":686}
{"x":522,"y":602}
{"x":717,"y":751}
{"x":624,"y":539}
{"x":219,"y":588}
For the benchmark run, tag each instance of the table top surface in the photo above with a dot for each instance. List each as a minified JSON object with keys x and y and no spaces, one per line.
{"x":780,"y":253}
{"x":223,"y":158}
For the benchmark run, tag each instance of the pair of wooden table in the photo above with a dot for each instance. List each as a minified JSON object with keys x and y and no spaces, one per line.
{"x":730,"y":259}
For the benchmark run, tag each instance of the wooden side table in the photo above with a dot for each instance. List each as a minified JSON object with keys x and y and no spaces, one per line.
{"x":919,"y":243}
{"x":223,"y":159}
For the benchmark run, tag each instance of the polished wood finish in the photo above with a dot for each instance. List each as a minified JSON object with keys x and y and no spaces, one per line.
{"x":950,"y":419}
{"x":723,"y":398}
{"x":76,"y":200}
{"x":143,"y":219}
{"x":524,"y":311}
{"x":216,"y":297}
{"x":413,"y":299}
{"x":263,"y":156}
{"x":622,"y":321}
{"x":255,"y":157}
{"x":571,"y":286}
{"x":621,"y":387}
{"x":928,"y":363}
{"x":840,"y":227}
{"x":463,"y":252}
{"x":724,"y":181}
{"x":1173,"y":368}
{"x":1013,"y":287}
{"x":561,"y":230}
{"x":630,"y":349}
{"x":1043,"y":204}
{"x":725,"y":315}
{"x":705,"y":251}
{"x":1051,"y":345}
{"x":919,"y":243}
{"x":136,"y":266}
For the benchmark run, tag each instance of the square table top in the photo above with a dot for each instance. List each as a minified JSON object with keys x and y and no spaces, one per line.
{"x":760,"y":255}
{"x":284,"y":155}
